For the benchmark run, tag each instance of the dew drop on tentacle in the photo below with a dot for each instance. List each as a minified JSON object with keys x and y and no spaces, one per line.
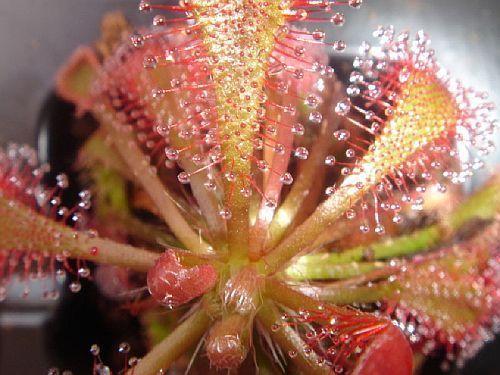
{"x":301,"y":153}
{"x":95,"y":350}
{"x":226,"y":213}
{"x":339,"y":45}
{"x":75,"y":286}
{"x":124,"y":348}
{"x":342,"y":135}
{"x":338,"y":19}
{"x":298,"y":129}
{"x":183,"y":177}
{"x":275,"y":327}
{"x":315,"y":117}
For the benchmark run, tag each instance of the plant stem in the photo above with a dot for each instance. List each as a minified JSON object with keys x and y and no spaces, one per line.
{"x":150,"y":182}
{"x":265,"y":366}
{"x":484,"y":204}
{"x":289,"y":340}
{"x":96,"y":152}
{"x":109,"y":189}
{"x":174,"y":345}
{"x":272,"y":184}
{"x":314,"y":297}
{"x":423,"y":239}
{"x":167,"y":107}
{"x":307,"y":180}
{"x":208,"y":204}
{"x":148,"y":233}
{"x":357,"y":294}
{"x":300,"y":240}
{"x":319,"y":266}
{"x":281,"y":293}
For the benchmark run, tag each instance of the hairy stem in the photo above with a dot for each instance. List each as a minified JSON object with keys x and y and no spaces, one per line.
{"x":185,"y":336}
{"x":289,"y":340}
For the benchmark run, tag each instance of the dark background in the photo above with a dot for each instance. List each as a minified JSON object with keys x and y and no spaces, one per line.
{"x":36,"y":37}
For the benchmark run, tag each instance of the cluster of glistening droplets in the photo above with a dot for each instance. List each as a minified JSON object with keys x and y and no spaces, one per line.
{"x":450,"y":299}
{"x":201,"y":103}
{"x":412,"y":127}
{"x":22,"y":187}
{"x":211,"y":102}
{"x":337,"y":336}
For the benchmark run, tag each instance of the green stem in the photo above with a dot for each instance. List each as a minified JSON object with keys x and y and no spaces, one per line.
{"x":358,"y":294}
{"x":174,"y":345}
{"x":289,"y":340}
{"x":338,"y":295}
{"x":484,"y":204}
{"x":238,"y":225}
{"x":300,"y":240}
{"x":97,"y":153}
{"x":281,"y":293}
{"x":319,"y":266}
{"x":423,"y":239}
{"x":150,"y":182}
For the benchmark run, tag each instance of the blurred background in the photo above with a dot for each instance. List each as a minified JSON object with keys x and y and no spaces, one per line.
{"x":37,"y":36}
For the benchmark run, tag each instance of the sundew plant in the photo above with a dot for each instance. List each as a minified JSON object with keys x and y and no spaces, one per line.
{"x":261,"y":214}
